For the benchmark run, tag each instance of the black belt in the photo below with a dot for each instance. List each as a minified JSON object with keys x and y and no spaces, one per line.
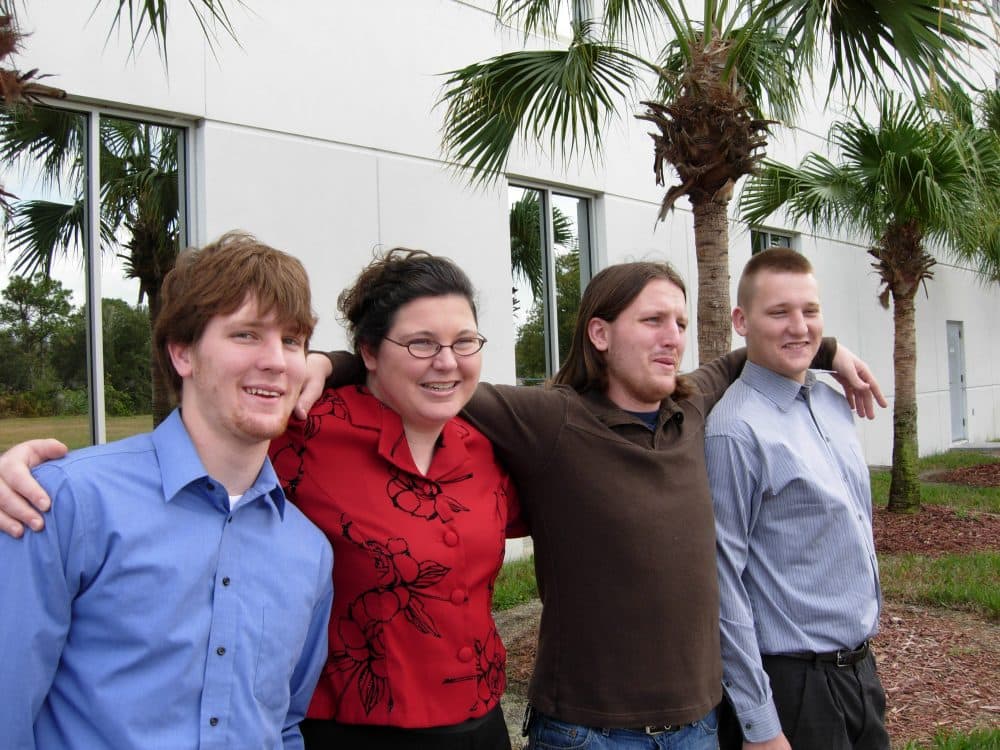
{"x":846,"y":657}
{"x":654,"y":729}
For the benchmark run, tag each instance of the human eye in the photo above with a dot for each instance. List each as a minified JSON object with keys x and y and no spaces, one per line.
{"x":466,"y":345}
{"x":682,"y":324}
{"x":243,"y":335}
{"x":423,"y":347}
{"x":293,"y":342}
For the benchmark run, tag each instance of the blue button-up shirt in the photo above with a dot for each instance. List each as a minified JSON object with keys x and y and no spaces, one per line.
{"x":797,"y":565}
{"x":147,"y":615}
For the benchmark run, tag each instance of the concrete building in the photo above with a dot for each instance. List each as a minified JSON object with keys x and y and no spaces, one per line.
{"x":318,"y":132}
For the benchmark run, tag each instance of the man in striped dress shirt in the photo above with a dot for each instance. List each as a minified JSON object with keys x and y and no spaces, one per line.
{"x":798,"y":576}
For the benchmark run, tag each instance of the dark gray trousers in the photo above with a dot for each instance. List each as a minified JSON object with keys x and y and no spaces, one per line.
{"x":821,"y":706}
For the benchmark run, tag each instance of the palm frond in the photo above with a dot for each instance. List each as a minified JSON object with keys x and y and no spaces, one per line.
{"x":914,"y":42}
{"x":39,"y":230}
{"x":565,"y":96}
{"x":148,"y":19}
{"x":49,"y":141}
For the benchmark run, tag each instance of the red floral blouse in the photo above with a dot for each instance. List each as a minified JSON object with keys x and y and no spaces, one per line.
{"x":412,"y":637}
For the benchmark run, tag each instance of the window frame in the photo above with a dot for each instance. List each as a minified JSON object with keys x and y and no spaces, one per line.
{"x":768,"y":233}
{"x":587,"y":259}
{"x":91,"y":260}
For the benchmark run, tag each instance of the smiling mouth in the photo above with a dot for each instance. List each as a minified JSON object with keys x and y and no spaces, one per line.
{"x":264,"y":392}
{"x":440,"y":387}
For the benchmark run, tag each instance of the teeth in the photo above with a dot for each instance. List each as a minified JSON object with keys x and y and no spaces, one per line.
{"x":262,"y":392}
{"x":439,"y":386}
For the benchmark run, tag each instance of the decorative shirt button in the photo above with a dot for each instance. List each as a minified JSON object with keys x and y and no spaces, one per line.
{"x":225,"y":581}
{"x":465,"y":654}
{"x":451,"y":537}
{"x":221,"y":650}
{"x":214,"y":721}
{"x":458,"y":596}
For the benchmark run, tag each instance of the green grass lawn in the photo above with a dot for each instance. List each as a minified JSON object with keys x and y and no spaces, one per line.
{"x":933,"y":493}
{"x":970,"y":581}
{"x":981,"y":739}
{"x":74,"y":431}
{"x":515,"y":584}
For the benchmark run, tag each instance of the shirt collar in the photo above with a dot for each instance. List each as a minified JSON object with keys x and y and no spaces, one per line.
{"x":180,"y":465}
{"x":779,"y":389}
{"x":613,"y":415}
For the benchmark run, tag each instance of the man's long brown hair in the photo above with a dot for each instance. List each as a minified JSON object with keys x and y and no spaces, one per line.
{"x":607,"y":294}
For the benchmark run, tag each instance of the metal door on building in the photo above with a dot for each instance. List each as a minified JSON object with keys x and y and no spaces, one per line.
{"x":956,"y":380}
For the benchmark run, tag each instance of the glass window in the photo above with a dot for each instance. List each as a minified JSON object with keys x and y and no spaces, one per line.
{"x":761,"y":239}
{"x":76,"y":380}
{"x":550,"y":259}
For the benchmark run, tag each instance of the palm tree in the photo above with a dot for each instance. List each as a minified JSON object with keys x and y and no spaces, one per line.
{"x":139,"y":201}
{"x":714,"y":78}
{"x":909,"y":184}
{"x":526,"y":240}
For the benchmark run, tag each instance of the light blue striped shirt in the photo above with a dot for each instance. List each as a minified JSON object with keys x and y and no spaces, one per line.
{"x":797,"y":565}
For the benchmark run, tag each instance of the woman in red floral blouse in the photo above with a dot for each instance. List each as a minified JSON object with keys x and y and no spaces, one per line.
{"x":417,"y":510}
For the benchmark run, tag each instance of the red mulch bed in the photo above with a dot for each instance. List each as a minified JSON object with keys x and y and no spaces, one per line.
{"x":940,"y":669}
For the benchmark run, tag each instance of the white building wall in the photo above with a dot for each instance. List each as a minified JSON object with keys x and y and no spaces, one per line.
{"x":318,"y":133}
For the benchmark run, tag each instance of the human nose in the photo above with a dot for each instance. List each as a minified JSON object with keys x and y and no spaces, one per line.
{"x":445,"y":358}
{"x":272,"y":354}
{"x":671,"y":334}
{"x":797,"y":323}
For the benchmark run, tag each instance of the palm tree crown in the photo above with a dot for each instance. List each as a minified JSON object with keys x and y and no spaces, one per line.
{"x":713,"y":77}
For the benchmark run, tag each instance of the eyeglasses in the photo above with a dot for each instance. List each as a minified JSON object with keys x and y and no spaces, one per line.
{"x":427,"y":348}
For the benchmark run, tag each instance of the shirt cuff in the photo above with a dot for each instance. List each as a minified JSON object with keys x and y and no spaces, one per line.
{"x":761,"y":723}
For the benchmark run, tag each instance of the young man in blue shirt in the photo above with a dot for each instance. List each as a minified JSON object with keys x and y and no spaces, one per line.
{"x":174,"y":598}
{"x":798,"y":576}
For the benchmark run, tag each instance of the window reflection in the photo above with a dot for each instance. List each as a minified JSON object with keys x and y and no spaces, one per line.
{"x":45,"y":326}
{"x":549,"y":237}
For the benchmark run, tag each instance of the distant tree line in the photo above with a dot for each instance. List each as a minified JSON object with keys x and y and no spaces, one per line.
{"x":43,"y":347}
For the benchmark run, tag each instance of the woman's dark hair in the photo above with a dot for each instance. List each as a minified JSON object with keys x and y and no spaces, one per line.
{"x":393,"y":279}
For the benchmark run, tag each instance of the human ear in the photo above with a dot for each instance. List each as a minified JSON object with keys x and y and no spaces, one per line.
{"x":368,"y":357}
{"x":740,"y":321}
{"x":180,"y":356}
{"x":597,"y":332}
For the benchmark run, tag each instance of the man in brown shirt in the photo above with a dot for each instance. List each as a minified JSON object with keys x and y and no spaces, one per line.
{"x":610,"y":468}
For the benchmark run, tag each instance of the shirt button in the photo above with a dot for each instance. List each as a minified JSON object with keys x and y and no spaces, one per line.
{"x":229,"y":520}
{"x":209,"y":486}
{"x":221,"y":650}
{"x":465,"y":654}
{"x":458,"y":596}
{"x":214,"y":721}
{"x":748,"y":725}
{"x":225,"y":581}
{"x":451,"y":538}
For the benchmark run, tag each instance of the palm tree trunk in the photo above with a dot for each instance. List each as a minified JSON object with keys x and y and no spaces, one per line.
{"x":162,"y":400}
{"x":711,"y":239}
{"x":904,"y":489}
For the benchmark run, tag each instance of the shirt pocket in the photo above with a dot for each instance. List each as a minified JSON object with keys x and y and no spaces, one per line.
{"x":278,"y":647}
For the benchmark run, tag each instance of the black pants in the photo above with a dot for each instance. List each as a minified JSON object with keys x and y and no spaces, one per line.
{"x":487,"y":733}
{"x":820,"y":706}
